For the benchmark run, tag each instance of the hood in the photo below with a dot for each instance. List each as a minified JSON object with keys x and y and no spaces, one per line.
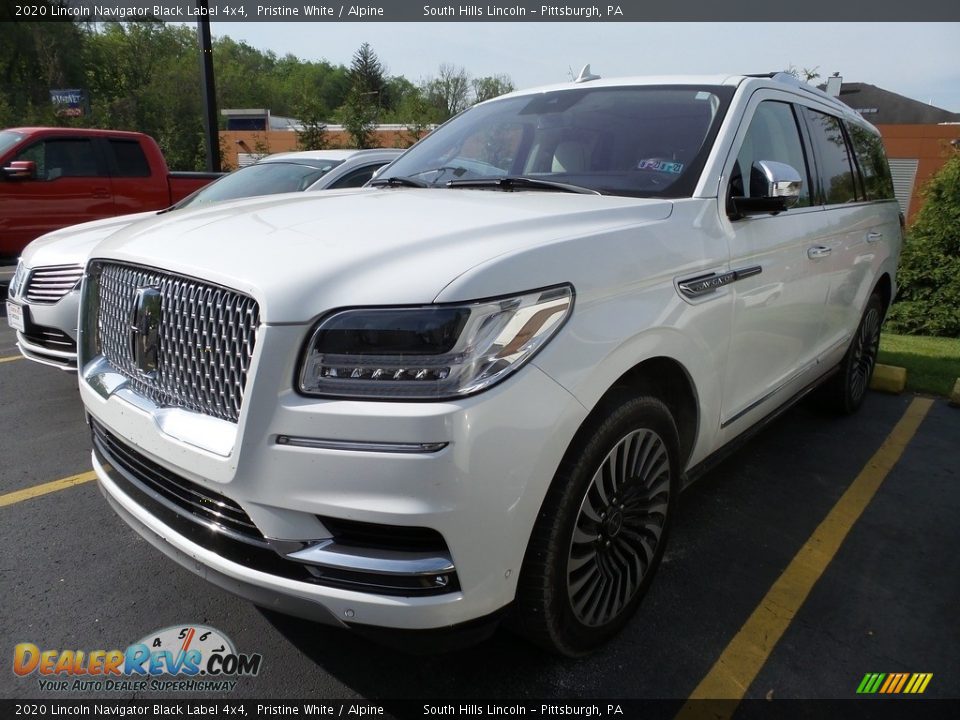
{"x":72,"y":245}
{"x":302,"y":254}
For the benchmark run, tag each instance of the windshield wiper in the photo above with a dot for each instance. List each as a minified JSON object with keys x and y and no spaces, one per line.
{"x":398,"y":181}
{"x":509,"y":183}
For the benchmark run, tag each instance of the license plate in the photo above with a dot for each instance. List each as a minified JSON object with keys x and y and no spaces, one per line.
{"x":15,"y":316}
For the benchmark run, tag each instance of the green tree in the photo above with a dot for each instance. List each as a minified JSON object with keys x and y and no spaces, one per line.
{"x":367,"y":72}
{"x":417,"y":117}
{"x":360,"y":112}
{"x":491,"y":86}
{"x":929,"y":274}
{"x":449,"y":92}
{"x":359,"y":118}
{"x":312,"y":115}
{"x":805,"y":74}
{"x":35,"y":58}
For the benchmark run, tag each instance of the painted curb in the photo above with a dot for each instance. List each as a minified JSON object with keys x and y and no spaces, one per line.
{"x":889,"y":379}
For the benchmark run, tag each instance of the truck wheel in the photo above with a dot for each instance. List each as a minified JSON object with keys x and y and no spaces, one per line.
{"x":601,"y":532}
{"x":845,"y":391}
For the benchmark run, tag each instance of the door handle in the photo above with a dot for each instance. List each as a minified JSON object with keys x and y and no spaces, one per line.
{"x":874,"y":236}
{"x":100,"y":192}
{"x":818,"y":251}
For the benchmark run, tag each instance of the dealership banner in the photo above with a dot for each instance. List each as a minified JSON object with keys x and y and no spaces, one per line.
{"x":491,"y":11}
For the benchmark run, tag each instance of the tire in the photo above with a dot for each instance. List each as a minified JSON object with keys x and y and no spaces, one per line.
{"x":844,"y":392}
{"x":601,"y":531}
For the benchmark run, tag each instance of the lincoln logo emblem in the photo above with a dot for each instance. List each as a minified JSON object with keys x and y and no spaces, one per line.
{"x":145,"y":324}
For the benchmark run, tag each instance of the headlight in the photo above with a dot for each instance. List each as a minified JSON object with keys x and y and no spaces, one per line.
{"x":430,"y":352}
{"x":18,"y":277}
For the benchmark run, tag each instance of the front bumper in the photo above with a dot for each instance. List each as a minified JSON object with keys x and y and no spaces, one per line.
{"x":50,"y":332}
{"x":480,"y":492}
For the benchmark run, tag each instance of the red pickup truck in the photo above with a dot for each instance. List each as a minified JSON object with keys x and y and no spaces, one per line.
{"x":54,"y":177}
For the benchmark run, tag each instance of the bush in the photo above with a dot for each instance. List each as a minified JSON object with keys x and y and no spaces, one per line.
{"x":929,"y":278}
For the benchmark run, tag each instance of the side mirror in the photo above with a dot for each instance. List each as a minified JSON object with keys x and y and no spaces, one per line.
{"x":775,"y":187}
{"x":21,"y":170}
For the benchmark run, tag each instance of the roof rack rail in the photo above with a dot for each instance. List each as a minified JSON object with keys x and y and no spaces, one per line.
{"x":793,"y":80}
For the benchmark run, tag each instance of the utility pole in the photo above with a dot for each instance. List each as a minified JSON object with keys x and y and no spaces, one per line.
{"x":208,"y":87}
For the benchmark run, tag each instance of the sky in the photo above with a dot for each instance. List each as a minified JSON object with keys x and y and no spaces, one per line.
{"x":919,"y":60}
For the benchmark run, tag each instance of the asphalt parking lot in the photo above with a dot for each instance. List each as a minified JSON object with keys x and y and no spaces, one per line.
{"x":74,"y":576}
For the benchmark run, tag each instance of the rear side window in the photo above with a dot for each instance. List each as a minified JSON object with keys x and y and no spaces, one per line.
{"x":834,"y":162}
{"x":58,"y":158}
{"x":872,"y":160}
{"x":129,"y":159}
{"x":356,"y":178}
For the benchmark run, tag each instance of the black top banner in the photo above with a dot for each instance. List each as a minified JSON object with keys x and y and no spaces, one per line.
{"x":491,"y":11}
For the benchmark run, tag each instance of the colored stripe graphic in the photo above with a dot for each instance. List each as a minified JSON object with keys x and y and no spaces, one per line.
{"x":894,"y":683}
{"x":891,"y":680}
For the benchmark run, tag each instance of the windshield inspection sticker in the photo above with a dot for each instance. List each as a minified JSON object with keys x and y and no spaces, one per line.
{"x":661,"y":166}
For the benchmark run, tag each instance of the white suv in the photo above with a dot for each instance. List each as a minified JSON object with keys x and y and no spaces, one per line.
{"x":476,"y":390}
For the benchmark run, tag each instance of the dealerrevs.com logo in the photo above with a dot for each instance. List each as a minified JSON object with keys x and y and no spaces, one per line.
{"x":182,"y":658}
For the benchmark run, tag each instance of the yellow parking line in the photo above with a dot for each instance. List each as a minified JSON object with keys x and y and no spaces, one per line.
{"x":747,"y":652}
{"x":38,"y":490}
{"x":11,"y":358}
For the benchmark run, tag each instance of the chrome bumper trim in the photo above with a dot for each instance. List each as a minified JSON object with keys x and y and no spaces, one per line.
{"x":374,"y":560}
{"x":201,"y":431}
{"x":359,"y":445}
{"x":59,"y":359}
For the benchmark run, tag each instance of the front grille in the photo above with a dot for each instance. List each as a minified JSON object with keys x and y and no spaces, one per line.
{"x":191,"y":501}
{"x":50,"y":338}
{"x":206,"y":337}
{"x":47,"y":285}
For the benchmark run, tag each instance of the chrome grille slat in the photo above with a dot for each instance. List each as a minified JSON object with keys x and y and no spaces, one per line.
{"x":173,"y":489}
{"x":198,"y":503}
{"x":47,"y":285}
{"x":206,"y":338}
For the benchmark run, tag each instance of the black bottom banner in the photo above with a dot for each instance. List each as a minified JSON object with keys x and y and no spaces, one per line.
{"x":872,"y":709}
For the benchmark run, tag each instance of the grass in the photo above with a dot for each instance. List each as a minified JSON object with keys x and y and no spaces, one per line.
{"x":932,"y":363}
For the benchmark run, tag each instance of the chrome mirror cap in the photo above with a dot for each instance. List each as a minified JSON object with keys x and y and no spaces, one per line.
{"x":782,"y":180}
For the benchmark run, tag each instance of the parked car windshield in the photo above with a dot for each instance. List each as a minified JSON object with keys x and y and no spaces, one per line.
{"x":646,"y":141}
{"x":263,"y":178}
{"x":8,"y":139}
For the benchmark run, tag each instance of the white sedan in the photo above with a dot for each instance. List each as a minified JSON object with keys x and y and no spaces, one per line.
{"x":44,"y":292}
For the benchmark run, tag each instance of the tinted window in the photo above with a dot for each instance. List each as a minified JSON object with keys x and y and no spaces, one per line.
{"x":635,"y":141}
{"x":773,"y":135}
{"x":356,"y":178}
{"x":62,"y":158}
{"x":833,"y":156}
{"x":129,"y":158}
{"x":872,"y":161}
{"x":265,"y":178}
{"x":8,"y":139}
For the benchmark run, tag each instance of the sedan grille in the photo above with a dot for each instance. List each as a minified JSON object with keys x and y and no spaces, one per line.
{"x":47,"y":285}
{"x":204,"y":337}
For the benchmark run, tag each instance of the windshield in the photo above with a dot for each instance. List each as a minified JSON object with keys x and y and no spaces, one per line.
{"x":635,"y":141}
{"x":8,"y":139}
{"x":263,"y":178}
